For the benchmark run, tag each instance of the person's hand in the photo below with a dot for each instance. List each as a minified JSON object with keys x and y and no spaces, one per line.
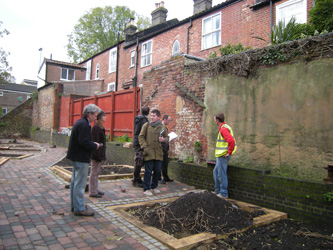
{"x":161,"y":139}
{"x":97,"y":145}
{"x":226,"y":155}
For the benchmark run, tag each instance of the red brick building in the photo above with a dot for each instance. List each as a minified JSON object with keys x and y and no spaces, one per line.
{"x":235,"y":21}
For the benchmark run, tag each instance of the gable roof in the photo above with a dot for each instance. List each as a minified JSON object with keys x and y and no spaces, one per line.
{"x":17,"y":87}
{"x":60,"y":63}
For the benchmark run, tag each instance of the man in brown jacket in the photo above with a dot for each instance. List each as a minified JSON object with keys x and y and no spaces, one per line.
{"x":151,"y":138}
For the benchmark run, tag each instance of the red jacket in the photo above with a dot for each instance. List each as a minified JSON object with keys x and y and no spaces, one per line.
{"x":228,"y":137}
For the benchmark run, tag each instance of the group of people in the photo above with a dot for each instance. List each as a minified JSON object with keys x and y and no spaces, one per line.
{"x":151,"y":145}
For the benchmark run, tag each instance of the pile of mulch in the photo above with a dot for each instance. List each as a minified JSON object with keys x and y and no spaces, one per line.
{"x":195,"y":213}
{"x":285,"y":235}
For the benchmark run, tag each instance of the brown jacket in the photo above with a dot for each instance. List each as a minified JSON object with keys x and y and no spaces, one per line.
{"x":152,"y":148}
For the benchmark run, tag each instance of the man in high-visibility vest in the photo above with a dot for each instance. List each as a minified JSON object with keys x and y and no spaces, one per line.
{"x":225,"y":147}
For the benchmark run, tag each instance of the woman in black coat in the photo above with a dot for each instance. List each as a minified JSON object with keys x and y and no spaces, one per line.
{"x":97,"y":156}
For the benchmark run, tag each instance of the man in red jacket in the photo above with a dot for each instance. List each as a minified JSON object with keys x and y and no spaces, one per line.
{"x":225,"y":147}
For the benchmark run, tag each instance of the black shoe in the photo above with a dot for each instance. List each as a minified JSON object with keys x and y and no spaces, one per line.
{"x":168,"y":180}
{"x":137,"y":183}
{"x":84,"y":213}
{"x":96,"y":196}
{"x":161,"y":182}
{"x":101,"y":193}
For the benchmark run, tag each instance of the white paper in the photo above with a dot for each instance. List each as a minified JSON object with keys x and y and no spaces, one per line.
{"x":172,"y":136}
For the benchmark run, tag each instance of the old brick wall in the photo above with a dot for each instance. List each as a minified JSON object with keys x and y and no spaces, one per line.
{"x":46,"y":107}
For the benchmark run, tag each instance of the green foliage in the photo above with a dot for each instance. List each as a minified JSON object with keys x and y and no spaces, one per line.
{"x":197,"y":146}
{"x":98,"y":29}
{"x":286,"y":32}
{"x":273,"y":56}
{"x":5,"y":69}
{"x":107,"y":138}
{"x":328,"y":196}
{"x":33,"y":96}
{"x":212,"y":54}
{"x":2,"y":124}
{"x":232,"y":49}
{"x":122,"y":139}
{"x":321,"y":16}
{"x":189,"y":159}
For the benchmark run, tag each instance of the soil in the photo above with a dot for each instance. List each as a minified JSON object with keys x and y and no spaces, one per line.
{"x":205,"y":212}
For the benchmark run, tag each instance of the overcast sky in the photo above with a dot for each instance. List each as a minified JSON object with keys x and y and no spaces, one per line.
{"x":35,"y":24}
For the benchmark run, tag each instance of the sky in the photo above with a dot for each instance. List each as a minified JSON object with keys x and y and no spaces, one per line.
{"x":36,"y":24}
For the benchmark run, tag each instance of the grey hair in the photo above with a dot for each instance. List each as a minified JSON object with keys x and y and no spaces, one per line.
{"x":90,"y":108}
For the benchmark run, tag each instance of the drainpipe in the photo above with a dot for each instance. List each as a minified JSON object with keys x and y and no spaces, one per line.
{"x":271,"y":7}
{"x":135,"y":78}
{"x":117,"y":65}
{"x":188,"y":34}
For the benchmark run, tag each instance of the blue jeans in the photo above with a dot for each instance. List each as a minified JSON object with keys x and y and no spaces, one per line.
{"x":152,"y":174}
{"x":220,"y":176}
{"x":78,"y":184}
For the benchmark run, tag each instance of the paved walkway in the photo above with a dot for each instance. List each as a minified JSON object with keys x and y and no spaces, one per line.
{"x":35,"y":208}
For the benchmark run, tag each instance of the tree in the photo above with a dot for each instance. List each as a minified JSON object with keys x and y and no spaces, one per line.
{"x":5,"y":69}
{"x":98,"y":29}
{"x":321,"y":16}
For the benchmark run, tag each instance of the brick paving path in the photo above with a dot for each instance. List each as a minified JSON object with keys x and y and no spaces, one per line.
{"x":35,"y":208}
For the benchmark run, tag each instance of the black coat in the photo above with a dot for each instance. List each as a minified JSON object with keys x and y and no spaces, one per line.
{"x":80,"y":143}
{"x":138,"y":123}
{"x":98,"y":135}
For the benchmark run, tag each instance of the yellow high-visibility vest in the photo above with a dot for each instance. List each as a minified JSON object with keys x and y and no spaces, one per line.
{"x":221,"y":144}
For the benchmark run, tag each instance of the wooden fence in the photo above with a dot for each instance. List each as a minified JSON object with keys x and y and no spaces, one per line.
{"x":120,"y":108}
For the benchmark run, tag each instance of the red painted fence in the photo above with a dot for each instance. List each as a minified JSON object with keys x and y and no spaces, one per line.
{"x":120,"y":108}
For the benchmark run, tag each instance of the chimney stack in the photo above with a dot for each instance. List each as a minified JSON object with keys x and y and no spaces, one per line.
{"x":130,"y":27}
{"x":159,"y":15}
{"x":201,"y":5}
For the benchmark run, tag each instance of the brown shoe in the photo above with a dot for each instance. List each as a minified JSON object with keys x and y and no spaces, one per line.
{"x":84,"y":213}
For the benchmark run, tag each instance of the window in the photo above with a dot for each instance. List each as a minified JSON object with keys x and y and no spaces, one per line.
{"x":132,"y":58}
{"x":146,"y":54}
{"x":285,"y":11}
{"x":97,"y":71}
{"x":67,"y":74}
{"x":1,"y":93}
{"x":111,"y":86}
{"x":175,"y":48}
{"x":113,"y":60}
{"x":28,"y":96}
{"x":88,"y":72}
{"x":211,"y":31}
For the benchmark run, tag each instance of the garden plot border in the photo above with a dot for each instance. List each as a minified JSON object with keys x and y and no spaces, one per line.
{"x":66,"y":175}
{"x":190,"y":241}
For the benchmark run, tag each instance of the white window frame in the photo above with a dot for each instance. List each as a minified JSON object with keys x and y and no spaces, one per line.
{"x":174,"y":48}
{"x":88,"y":72}
{"x":97,"y":71}
{"x":66,"y":79}
{"x":1,"y":93}
{"x":146,"y":54}
{"x":212,"y":33}
{"x":28,"y":96}
{"x":300,"y":14}
{"x":132,"y":59}
{"x":111,"y":86}
{"x":113,"y":60}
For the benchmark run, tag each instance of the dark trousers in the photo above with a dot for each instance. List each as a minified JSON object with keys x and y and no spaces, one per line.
{"x":165,"y":164}
{"x":152,"y":172}
{"x":137,"y":167}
